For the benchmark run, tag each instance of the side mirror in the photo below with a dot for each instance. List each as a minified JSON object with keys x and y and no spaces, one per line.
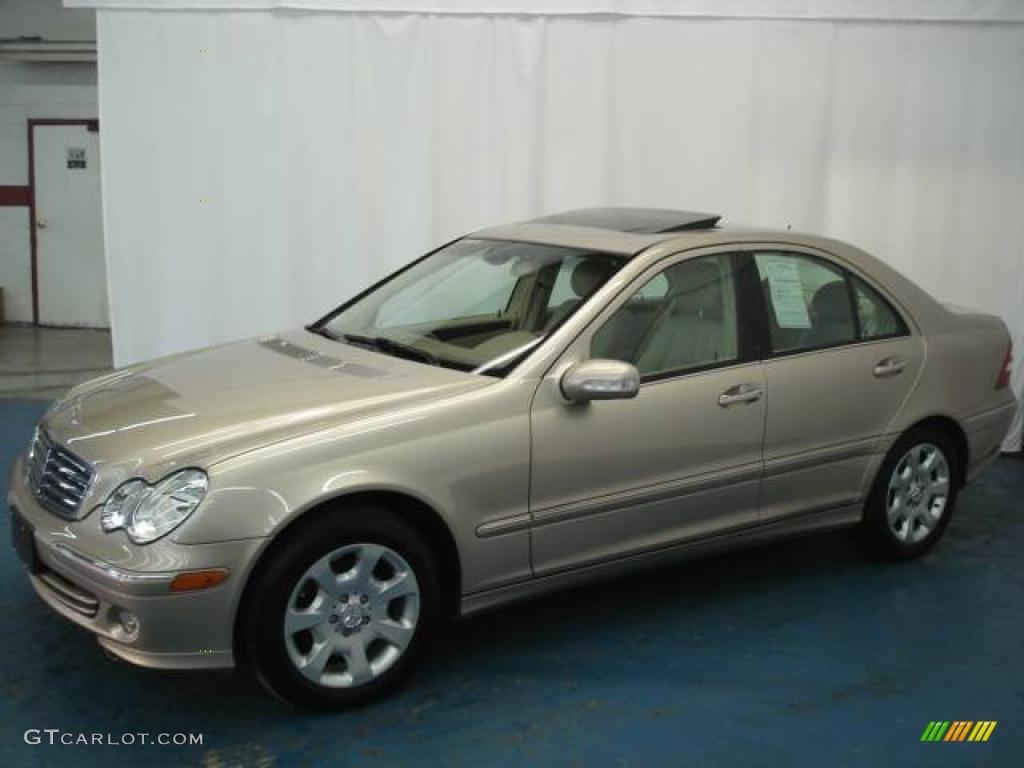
{"x":600,"y":380}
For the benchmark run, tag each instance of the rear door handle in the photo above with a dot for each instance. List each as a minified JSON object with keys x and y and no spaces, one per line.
{"x":890,"y":366}
{"x":741,"y":393}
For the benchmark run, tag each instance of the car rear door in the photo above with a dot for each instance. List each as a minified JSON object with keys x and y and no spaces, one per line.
{"x":841,"y":359}
{"x":681,"y":460}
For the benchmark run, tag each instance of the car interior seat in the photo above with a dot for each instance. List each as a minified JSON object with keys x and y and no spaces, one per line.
{"x":692,"y":328}
{"x":831,"y":316}
{"x":590,"y":274}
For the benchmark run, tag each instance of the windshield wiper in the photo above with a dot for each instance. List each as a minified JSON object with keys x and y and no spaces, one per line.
{"x":320,"y":330}
{"x":392,"y":347}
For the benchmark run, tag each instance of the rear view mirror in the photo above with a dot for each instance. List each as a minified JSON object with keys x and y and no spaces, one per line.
{"x":600,"y":380}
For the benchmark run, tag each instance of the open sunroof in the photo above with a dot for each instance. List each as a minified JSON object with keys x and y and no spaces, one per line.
{"x":646,"y":221}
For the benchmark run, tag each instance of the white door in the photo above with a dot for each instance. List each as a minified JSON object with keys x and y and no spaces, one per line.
{"x":71,"y":270}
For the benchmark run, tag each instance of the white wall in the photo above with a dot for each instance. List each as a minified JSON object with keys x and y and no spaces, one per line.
{"x":31,"y":91}
{"x":334,"y":147}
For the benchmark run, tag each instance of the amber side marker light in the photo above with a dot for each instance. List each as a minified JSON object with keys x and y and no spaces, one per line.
{"x":193,"y":580}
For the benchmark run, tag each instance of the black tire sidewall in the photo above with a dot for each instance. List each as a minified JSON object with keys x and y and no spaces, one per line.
{"x":879,"y":536}
{"x":262,"y":626}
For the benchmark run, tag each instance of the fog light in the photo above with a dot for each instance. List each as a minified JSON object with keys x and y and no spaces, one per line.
{"x":129,"y":622}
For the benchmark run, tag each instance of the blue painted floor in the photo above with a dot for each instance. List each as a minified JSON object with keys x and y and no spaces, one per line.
{"x":802,"y":653}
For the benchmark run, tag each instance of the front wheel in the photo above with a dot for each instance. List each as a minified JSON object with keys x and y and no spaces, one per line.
{"x":913,"y":497}
{"x":342,"y":608}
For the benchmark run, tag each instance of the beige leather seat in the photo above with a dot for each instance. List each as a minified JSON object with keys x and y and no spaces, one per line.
{"x":590,"y":274}
{"x":691,"y":330}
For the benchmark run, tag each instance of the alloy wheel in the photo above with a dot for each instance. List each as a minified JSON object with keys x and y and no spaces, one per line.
{"x":918,"y":493}
{"x":352,"y":615}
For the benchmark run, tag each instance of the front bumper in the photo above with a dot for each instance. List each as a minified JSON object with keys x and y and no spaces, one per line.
{"x":175,"y":630}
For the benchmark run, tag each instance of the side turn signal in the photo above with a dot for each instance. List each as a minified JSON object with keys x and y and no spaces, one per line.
{"x":193,"y":580}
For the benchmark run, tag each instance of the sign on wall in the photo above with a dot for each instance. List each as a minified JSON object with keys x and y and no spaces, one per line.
{"x":76,"y":157}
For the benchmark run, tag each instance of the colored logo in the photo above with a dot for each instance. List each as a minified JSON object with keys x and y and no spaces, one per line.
{"x":959,"y":730}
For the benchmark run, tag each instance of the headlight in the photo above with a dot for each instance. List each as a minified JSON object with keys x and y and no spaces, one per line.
{"x":32,"y":448}
{"x":147,"y":512}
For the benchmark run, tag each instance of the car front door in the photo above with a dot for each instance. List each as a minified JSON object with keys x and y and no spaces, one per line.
{"x":841,"y":360}
{"x":682,"y":459}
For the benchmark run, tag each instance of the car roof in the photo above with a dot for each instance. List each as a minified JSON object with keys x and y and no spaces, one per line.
{"x":626,"y":231}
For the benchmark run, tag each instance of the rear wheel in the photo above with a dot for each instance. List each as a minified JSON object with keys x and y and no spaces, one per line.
{"x":913,"y":497}
{"x":341,"y":610}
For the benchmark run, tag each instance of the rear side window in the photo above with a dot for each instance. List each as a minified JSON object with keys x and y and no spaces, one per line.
{"x":878,"y":319}
{"x":808,"y":302}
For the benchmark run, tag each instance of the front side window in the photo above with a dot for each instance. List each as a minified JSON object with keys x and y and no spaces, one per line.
{"x":475,"y":305}
{"x":808,"y":302}
{"x":682,"y":319}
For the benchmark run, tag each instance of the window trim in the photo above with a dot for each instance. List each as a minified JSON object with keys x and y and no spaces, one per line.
{"x":848,"y":276}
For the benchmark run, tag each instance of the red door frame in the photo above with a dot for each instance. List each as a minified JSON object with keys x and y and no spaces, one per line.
{"x":92,"y":124}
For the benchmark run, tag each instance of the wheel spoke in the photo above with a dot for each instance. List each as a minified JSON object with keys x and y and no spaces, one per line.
{"x":399,"y":586}
{"x":927,"y":460}
{"x":896,"y":505}
{"x":296,"y":621}
{"x":397,"y":634}
{"x":314,"y":663}
{"x":939,"y":487}
{"x":925,"y":519}
{"x":357,"y":663}
{"x":325,"y":578}
{"x":358,"y":578}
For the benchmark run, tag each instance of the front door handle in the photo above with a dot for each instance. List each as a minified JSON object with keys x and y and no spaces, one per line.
{"x":741,"y":393}
{"x":890,"y":366}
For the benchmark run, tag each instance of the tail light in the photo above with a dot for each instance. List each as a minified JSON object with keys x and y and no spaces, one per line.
{"x":1004,"y":373}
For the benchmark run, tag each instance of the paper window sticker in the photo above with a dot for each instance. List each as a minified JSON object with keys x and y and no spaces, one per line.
{"x":786,"y":290}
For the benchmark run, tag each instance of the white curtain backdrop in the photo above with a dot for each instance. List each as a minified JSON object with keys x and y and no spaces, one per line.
{"x":264,"y":163}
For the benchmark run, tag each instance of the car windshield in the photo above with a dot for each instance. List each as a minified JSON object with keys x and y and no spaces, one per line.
{"x":474,"y":305}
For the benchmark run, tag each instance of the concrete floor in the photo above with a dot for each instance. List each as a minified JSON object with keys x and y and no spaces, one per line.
{"x":43,"y":363}
{"x":801,"y":653}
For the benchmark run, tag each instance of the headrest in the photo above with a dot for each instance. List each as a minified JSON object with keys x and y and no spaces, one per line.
{"x":831,"y":304}
{"x":590,"y":274}
{"x":694,"y":285}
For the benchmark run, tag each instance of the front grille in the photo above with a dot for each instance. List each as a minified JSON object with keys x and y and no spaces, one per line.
{"x":58,"y":478}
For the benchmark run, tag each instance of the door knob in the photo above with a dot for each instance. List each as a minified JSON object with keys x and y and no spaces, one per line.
{"x":42,"y":223}
{"x":741,"y":393}
{"x":890,"y":366}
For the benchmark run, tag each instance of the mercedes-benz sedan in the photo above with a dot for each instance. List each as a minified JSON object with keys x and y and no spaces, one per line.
{"x":523,"y":409}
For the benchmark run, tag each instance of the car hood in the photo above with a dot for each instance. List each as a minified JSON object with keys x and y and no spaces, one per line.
{"x":201,"y":407}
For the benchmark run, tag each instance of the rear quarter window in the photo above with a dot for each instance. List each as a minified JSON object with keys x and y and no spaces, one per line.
{"x":878,"y":318}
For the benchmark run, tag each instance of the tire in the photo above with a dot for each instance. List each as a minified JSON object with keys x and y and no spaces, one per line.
{"x":361,"y":578}
{"x":913,"y":497}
